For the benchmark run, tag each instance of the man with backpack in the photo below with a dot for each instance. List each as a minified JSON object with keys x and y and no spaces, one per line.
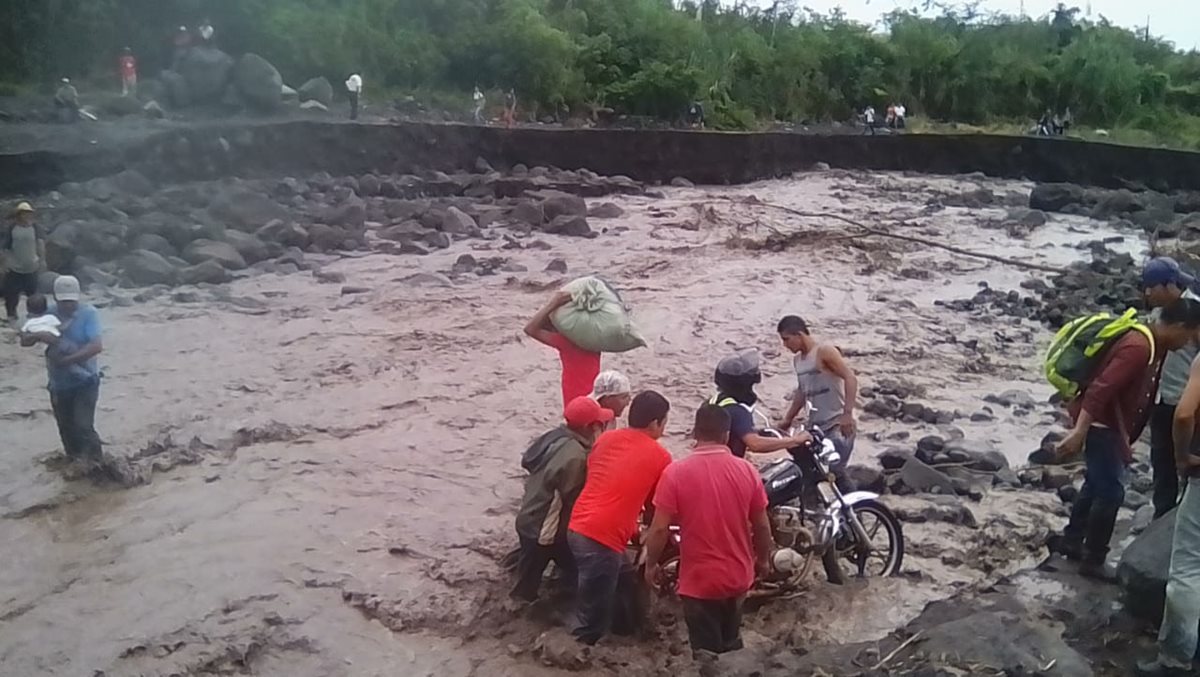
{"x":1110,"y":411}
{"x":1163,"y":283}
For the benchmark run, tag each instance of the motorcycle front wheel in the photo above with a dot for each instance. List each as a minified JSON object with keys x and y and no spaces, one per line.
{"x":884,"y":550}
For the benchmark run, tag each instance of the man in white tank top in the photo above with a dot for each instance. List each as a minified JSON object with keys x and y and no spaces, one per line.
{"x":825,"y":382}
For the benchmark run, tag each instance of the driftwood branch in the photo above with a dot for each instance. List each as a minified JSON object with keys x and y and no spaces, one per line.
{"x":868,"y":230}
{"x":897,"y":650}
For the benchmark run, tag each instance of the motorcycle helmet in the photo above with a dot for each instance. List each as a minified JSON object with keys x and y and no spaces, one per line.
{"x":739,"y":372}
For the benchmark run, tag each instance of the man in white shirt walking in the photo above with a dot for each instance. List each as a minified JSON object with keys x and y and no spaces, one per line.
{"x":354,"y":86}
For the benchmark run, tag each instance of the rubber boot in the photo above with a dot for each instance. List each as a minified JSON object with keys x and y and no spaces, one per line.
{"x":1101,"y":522}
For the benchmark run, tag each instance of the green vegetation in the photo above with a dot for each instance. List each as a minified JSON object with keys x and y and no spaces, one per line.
{"x":651,"y":57}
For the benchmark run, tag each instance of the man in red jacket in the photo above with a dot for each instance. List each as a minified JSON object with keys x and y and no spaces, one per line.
{"x":1109,"y":415}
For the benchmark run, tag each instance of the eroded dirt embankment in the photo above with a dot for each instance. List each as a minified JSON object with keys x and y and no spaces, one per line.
{"x":208,"y":150}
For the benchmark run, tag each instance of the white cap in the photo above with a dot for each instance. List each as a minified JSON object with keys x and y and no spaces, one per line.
{"x":66,"y":288}
{"x":611,"y":383}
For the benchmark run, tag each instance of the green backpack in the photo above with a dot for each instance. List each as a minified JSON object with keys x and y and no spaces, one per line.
{"x":1079,"y":346}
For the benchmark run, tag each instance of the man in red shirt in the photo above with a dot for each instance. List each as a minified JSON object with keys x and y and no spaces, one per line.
{"x":1109,"y":415}
{"x":622,"y":471}
{"x":579,"y":367}
{"x":718,"y":501}
{"x":128,"y":67}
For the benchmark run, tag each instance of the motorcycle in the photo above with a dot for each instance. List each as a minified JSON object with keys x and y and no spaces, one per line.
{"x":812,"y":519}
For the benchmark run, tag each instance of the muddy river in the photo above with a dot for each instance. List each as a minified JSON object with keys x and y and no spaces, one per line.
{"x":337,"y":474}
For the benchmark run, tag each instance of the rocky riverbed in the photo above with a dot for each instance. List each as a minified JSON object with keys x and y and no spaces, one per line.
{"x":313,"y":445}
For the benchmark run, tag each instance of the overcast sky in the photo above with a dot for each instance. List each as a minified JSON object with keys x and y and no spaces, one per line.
{"x":1175,"y":20}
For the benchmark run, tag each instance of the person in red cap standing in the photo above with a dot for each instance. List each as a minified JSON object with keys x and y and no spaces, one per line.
{"x":128,"y":67}
{"x":557,"y":466}
{"x":579,"y":367}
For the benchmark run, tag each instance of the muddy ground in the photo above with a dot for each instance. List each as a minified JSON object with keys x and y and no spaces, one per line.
{"x":330,"y":478}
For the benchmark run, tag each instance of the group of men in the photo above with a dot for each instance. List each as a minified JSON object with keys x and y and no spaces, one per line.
{"x":589,"y":482}
{"x":68,"y":329}
{"x":1145,"y":377}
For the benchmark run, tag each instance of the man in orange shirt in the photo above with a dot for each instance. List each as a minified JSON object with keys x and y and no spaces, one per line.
{"x":622,"y":472}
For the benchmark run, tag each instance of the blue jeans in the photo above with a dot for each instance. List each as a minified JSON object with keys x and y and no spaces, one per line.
{"x":1095,"y":511}
{"x":1177,"y":638}
{"x":598,"y":570}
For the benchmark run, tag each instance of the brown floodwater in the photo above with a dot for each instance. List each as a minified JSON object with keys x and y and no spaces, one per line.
{"x":378,"y":463}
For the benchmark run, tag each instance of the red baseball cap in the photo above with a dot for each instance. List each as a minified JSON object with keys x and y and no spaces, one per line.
{"x":584,"y":411}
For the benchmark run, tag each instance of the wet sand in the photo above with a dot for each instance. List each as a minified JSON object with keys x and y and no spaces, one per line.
{"x":353,"y":527}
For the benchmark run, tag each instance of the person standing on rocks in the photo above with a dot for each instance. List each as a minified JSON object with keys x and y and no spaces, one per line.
{"x":1109,"y":414}
{"x":66,"y":102}
{"x":622,"y":471}
{"x":579,"y":367}
{"x":1177,"y":636}
{"x":720,"y":505}
{"x":206,"y":32}
{"x":613,"y":391}
{"x":354,"y":85}
{"x":480,"y":102}
{"x":127,"y":65}
{"x":74,"y":392}
{"x":557,"y":466}
{"x":1163,"y":283}
{"x":181,"y":43}
{"x":826,"y":385}
{"x":24,"y":252}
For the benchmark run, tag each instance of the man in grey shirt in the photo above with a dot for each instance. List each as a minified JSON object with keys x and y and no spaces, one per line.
{"x":1163,"y":282}
{"x":24,"y":252}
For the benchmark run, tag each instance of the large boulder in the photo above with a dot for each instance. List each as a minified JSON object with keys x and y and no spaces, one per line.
{"x":1054,"y":197}
{"x":178,"y":94}
{"x":326,"y":238}
{"x":317,"y":89}
{"x":97,"y":240}
{"x":556,"y":203}
{"x":351,"y":214}
{"x":205,"y":272}
{"x":1144,"y":567}
{"x":155,"y":243}
{"x":457,"y":222}
{"x":258,"y":83}
{"x":283,"y":233}
{"x":249,"y":246}
{"x":245,"y":210}
{"x":211,"y":250}
{"x":570,"y":224}
{"x":206,"y":70}
{"x":143,"y":267}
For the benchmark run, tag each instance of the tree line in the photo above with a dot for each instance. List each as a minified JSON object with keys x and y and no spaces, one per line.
{"x":652,"y":57}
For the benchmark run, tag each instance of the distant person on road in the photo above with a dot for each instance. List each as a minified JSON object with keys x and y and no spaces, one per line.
{"x":622,"y":472}
{"x":1067,"y":120}
{"x":613,"y":391}
{"x":66,"y":102}
{"x":206,"y":32}
{"x":579,"y":367}
{"x":890,"y":118}
{"x":869,"y":120}
{"x":24,"y":251}
{"x":720,"y":505}
{"x":480,"y":103}
{"x":1164,"y":283}
{"x":695,"y":115}
{"x":901,"y":116}
{"x":181,"y":43}
{"x":1177,"y":636}
{"x":557,"y":466}
{"x":354,"y":85}
{"x":510,"y":108}
{"x":1109,"y":415}
{"x":74,"y":393}
{"x":127,"y":65}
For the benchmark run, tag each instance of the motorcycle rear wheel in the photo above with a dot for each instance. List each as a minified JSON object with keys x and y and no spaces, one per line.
{"x":885,"y":548}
